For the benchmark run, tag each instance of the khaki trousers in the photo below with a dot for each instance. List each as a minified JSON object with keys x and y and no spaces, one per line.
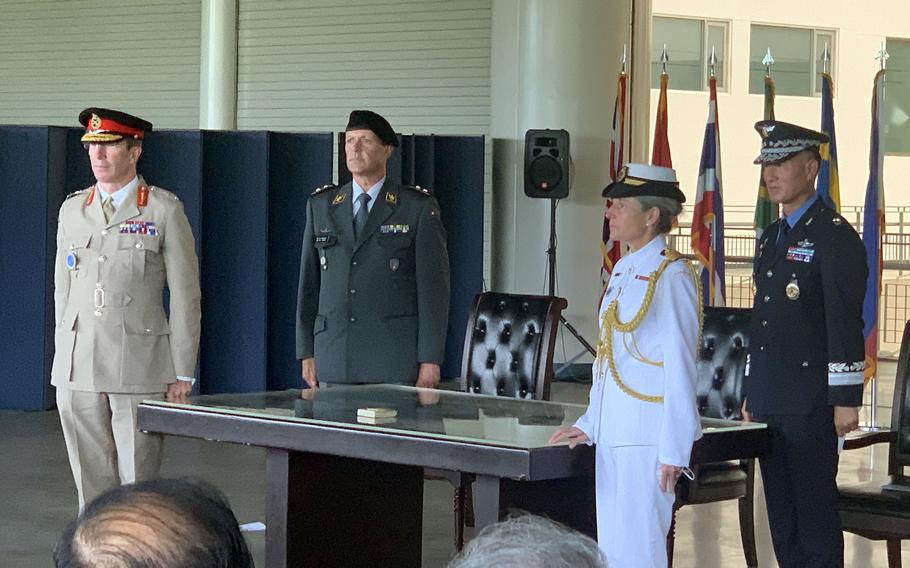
{"x":104,"y":445}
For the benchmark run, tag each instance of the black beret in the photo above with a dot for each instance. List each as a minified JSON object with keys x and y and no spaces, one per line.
{"x":106,"y":125}
{"x":369,"y":120}
{"x":643,"y":180}
{"x":780,"y":141}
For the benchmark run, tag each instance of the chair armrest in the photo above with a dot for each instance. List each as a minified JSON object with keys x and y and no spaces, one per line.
{"x":866,"y":439}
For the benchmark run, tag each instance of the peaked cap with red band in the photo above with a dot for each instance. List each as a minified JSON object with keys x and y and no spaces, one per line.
{"x":106,"y":125}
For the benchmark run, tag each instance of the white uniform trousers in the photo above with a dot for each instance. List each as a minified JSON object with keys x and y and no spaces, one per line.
{"x":633,"y":514}
{"x":104,"y":445}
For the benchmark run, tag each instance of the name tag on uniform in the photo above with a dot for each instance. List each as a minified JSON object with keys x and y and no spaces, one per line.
{"x":139,"y":228}
{"x":394,"y":229}
{"x":642,"y":278}
{"x":800,"y":254}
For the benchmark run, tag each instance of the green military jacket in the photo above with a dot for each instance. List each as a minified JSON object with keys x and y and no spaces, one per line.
{"x":371,"y":309}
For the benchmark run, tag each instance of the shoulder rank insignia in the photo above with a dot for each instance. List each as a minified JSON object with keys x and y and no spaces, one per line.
{"x":391,"y":198}
{"x":324,"y":188}
{"x":418,"y":189}
{"x":339,"y":198}
{"x":79,"y":192}
{"x":160,"y":193}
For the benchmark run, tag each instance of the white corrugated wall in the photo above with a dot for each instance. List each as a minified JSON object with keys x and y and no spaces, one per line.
{"x":60,"y":56}
{"x":424,"y":65}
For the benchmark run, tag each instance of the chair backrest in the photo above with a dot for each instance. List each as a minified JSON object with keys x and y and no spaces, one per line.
{"x":899,"y":455}
{"x":722,"y":362}
{"x":508,"y":346}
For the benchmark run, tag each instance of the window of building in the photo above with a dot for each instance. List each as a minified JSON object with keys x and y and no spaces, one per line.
{"x":689,"y":43}
{"x":797,"y":54}
{"x":897,"y":97}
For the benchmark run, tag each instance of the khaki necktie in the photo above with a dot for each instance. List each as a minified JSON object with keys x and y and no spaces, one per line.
{"x":108,"y":207}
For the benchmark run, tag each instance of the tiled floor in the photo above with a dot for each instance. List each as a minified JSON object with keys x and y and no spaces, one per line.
{"x":37,"y":496}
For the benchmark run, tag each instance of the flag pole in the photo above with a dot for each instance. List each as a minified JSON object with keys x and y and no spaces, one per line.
{"x":882,"y":56}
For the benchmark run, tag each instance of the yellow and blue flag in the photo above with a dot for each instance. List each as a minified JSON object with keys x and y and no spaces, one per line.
{"x":828,"y":186}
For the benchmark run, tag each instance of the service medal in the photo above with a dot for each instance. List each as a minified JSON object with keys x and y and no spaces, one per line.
{"x":792,"y":290}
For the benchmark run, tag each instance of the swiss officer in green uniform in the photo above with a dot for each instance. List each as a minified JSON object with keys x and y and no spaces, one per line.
{"x":804,"y":368}
{"x":373,"y":298}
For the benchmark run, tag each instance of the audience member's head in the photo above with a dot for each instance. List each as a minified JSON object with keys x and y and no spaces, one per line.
{"x":163,"y":523}
{"x":529,"y":541}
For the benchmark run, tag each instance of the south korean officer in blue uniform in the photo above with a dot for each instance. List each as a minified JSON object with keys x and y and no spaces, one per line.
{"x":804,"y":369}
{"x":373,"y":298}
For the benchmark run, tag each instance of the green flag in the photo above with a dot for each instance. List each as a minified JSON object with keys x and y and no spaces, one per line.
{"x":765,"y":211}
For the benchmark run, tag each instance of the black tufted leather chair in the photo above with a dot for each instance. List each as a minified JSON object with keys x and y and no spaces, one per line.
{"x":508,"y":346}
{"x":508,"y":351}
{"x":721,"y":367}
{"x":880,"y":509}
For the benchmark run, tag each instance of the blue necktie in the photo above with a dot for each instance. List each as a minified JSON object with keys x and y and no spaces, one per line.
{"x":360,"y":219}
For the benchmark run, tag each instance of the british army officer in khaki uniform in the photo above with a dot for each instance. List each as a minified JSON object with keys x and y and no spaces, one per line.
{"x":373,"y":301}
{"x":119,"y":243}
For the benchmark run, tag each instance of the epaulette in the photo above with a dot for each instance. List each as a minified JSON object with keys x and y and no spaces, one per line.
{"x":163,"y":193}
{"x":80,"y":192}
{"x":419,"y":190}
{"x":324,"y":188}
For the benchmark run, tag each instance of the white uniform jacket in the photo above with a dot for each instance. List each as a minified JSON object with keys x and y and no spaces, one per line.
{"x":668,"y":336}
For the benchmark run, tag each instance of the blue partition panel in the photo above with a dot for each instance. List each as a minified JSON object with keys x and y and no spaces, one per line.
{"x":457,"y":182}
{"x":298,"y":164}
{"x":234,"y":233}
{"x":32,"y":170}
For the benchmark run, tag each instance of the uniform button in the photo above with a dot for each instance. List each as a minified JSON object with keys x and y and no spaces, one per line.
{"x":354,"y":262}
{"x":62,"y":322}
{"x":97,"y":312}
{"x":138,"y":245}
{"x":104,"y":232}
{"x":102,"y":258}
{"x":764,"y":323}
{"x":98,"y":285}
{"x":770,"y":274}
{"x":353,"y":291}
{"x":762,"y":348}
{"x":805,"y":363}
{"x":148,"y":331}
{"x":767,"y":299}
{"x":353,"y":319}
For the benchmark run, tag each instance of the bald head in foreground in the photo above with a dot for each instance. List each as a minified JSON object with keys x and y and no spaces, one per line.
{"x":162,"y":523}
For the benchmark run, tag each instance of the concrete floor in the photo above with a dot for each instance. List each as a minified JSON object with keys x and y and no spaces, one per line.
{"x":37,"y":496}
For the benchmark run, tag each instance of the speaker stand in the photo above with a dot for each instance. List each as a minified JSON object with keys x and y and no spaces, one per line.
{"x":551,"y":284}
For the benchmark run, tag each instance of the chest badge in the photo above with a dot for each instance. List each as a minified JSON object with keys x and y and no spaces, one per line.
{"x":394,"y":264}
{"x":72,"y":261}
{"x":792,"y":290}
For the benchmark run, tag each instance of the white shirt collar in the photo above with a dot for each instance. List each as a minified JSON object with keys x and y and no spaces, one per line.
{"x":654,"y":246}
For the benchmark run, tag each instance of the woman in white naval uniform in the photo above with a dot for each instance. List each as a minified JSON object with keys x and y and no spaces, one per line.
{"x":642,"y":412}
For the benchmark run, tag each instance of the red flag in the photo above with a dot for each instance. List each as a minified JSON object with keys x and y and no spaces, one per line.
{"x":660,"y":156}
{"x":609,"y":248}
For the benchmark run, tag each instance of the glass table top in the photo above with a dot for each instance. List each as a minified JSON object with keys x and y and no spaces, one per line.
{"x":448,"y":415}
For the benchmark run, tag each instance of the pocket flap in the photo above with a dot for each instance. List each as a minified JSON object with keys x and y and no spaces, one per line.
{"x":319,"y":324}
{"x":138,"y":242}
{"x":135,"y":325}
{"x":395,"y":241}
{"x":80,"y":241}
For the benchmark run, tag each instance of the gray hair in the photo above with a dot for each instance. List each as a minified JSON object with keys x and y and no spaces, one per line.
{"x":529,"y":541}
{"x":669,"y":210}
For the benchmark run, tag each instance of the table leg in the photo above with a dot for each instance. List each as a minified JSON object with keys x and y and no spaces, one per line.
{"x":486,"y":501}
{"x":333,"y":511}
